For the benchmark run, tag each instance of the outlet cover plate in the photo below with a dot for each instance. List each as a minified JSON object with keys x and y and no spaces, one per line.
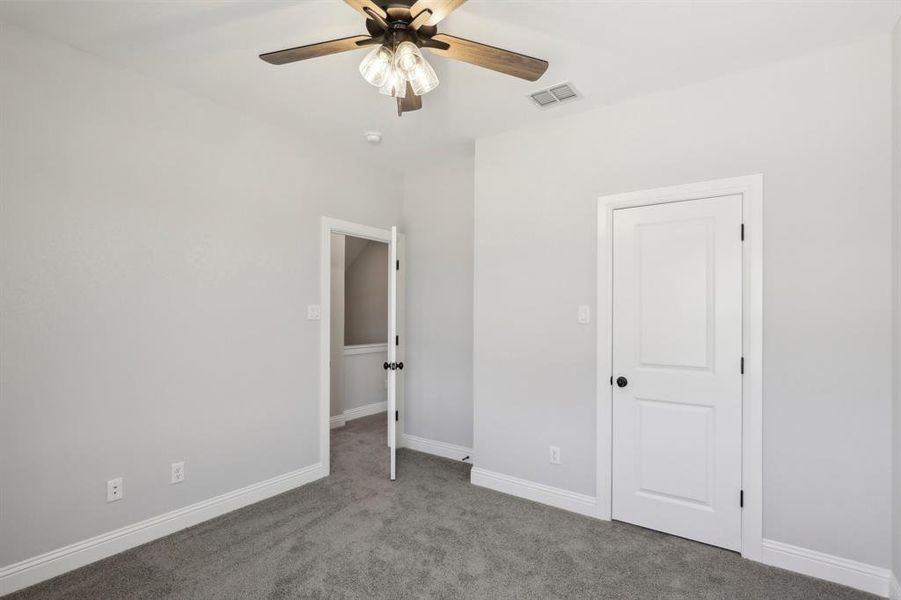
{"x":115,"y":489}
{"x":178,"y":472}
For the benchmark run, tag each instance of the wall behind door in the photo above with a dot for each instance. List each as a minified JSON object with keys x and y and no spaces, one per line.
{"x":818,"y":127}
{"x":437,"y":218}
{"x":366,"y":295}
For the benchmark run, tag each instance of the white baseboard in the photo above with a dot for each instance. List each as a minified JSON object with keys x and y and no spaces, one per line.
{"x":451,"y":451}
{"x":364,"y":411}
{"x":56,"y":562}
{"x":894,"y":588}
{"x":861,"y":576}
{"x":357,"y":413}
{"x":537,"y":492}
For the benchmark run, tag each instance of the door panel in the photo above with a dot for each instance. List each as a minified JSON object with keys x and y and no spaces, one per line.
{"x":677,"y":276}
{"x":677,"y":282}
{"x":674,"y":449}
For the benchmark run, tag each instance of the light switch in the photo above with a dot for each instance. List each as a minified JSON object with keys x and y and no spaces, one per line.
{"x":313,"y":312}
{"x":584,"y":314}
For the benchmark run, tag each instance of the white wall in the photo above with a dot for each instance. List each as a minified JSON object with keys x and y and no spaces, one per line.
{"x":438,"y":221}
{"x":896,"y":268}
{"x":366,"y":296}
{"x":336,"y":329}
{"x":818,"y":128}
{"x":364,"y":378}
{"x":158,"y":252}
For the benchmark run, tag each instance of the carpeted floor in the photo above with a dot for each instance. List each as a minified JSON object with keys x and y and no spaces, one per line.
{"x":428,"y":535}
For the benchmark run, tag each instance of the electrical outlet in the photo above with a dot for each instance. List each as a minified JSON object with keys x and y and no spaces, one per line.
{"x":555,"y":455}
{"x":178,"y":472}
{"x":115,"y":489}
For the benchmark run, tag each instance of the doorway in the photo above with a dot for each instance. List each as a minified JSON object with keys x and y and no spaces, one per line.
{"x":361,"y":343}
{"x":679,"y":351}
{"x":359,"y":329}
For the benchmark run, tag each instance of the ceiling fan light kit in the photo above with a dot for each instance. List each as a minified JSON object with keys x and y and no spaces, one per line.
{"x":377,"y":67}
{"x":395,"y":85}
{"x":398,"y":29}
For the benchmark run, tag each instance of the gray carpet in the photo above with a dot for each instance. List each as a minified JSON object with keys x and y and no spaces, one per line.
{"x":428,"y":535}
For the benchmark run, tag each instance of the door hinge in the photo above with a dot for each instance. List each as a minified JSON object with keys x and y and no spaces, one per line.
{"x":397,"y":340}
{"x":397,"y":415}
{"x":742,"y":232}
{"x":742,"y":365}
{"x":398,"y":265}
{"x":741,"y":499}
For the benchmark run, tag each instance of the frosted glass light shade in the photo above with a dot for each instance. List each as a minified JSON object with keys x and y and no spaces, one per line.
{"x":407,"y":57}
{"x":395,"y":85}
{"x":377,"y":66}
{"x":423,"y":78}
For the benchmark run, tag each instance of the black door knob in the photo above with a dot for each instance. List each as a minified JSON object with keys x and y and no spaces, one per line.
{"x":386,"y":366}
{"x":400,"y":366}
{"x":622,"y":382}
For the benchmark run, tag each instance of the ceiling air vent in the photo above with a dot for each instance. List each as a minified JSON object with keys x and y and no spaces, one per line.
{"x":555,"y":95}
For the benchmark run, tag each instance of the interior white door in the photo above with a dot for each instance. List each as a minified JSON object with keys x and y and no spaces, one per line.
{"x":393,"y":364}
{"x":677,"y":340}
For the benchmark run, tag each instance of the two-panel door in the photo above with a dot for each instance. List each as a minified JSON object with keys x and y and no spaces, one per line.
{"x":677,"y":368}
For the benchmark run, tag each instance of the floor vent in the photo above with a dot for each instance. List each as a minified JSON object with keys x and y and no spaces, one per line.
{"x":558,"y":94}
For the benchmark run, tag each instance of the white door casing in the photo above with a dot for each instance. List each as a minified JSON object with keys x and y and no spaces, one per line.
{"x":677,"y":368}
{"x":750,"y":188}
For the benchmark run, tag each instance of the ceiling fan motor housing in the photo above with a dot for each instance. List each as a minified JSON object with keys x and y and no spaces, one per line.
{"x":398,"y":27}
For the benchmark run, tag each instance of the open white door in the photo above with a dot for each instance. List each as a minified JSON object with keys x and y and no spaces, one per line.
{"x":395,"y":364}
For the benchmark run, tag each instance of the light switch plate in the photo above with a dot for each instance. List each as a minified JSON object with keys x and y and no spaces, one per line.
{"x":584,"y":314}
{"x":554,"y":455}
{"x":313,"y":312}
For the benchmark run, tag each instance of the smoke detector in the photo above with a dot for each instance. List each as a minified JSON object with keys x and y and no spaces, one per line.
{"x":555,"y":95}
{"x":373,"y":137}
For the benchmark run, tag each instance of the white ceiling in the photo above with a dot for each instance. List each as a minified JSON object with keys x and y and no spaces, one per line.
{"x":610,"y":50}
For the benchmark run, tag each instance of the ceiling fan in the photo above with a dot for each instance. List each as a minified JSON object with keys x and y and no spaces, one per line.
{"x":397,"y":30}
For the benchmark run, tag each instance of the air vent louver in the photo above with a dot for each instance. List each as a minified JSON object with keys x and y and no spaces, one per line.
{"x":555,"y":95}
{"x":544,"y":98}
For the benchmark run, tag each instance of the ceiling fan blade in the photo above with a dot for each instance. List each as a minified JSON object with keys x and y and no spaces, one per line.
{"x":496,"y":59}
{"x":281,"y":57}
{"x":379,"y":19}
{"x":439,"y":8}
{"x":420,"y":19}
{"x":409,"y":102}
{"x":361,"y":5}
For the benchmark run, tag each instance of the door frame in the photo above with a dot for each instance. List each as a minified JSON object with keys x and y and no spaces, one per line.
{"x":751,"y":189}
{"x":328,"y":227}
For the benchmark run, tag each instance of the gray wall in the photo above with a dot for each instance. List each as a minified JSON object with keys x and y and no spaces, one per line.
{"x":438,"y":221}
{"x":896,"y":264}
{"x":818,"y":128}
{"x":366,"y":296}
{"x":158,"y":253}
